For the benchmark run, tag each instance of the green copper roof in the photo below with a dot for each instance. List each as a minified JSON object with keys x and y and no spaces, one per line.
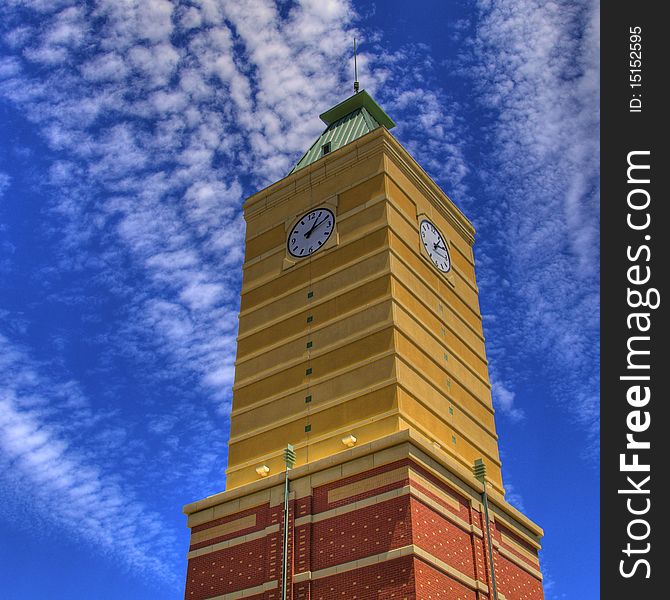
{"x":347,"y":121}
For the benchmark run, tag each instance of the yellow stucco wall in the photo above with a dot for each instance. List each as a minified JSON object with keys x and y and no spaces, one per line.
{"x":391,"y":342}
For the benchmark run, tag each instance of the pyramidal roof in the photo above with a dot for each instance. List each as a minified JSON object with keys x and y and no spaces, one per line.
{"x":347,"y":121}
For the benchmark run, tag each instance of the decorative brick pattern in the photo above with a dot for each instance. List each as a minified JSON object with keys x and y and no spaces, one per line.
{"x":515,"y":583}
{"x":237,"y":568}
{"x":439,"y":493}
{"x":304,"y":506}
{"x":371,"y":484}
{"x":222,"y":532}
{"x":435,"y":534}
{"x":231,"y":526}
{"x":393,"y":579}
{"x":303,"y":549}
{"x":371,"y":530}
{"x":435,"y":585}
{"x":447,"y":502}
{"x":392,"y":532}
{"x":479,"y":551}
{"x":518,"y":547}
{"x":321,"y":494}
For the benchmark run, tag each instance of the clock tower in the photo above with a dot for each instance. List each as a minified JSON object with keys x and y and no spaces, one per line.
{"x":361,"y":350}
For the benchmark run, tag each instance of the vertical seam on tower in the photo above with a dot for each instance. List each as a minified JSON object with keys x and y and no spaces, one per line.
{"x":309,"y":361}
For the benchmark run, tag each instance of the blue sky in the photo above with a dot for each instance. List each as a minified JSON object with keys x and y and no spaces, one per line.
{"x":130,"y":133}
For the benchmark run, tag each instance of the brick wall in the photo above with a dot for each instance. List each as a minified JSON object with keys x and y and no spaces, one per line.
{"x":433,"y":584}
{"x":393,"y":579}
{"x":395,"y":531}
{"x":371,"y":530}
{"x":239,"y":567}
{"x":443,"y":539}
{"x":515,"y":583}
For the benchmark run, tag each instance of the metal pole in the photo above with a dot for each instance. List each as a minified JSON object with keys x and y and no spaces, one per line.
{"x":488,"y":536}
{"x":289,"y":461}
{"x":285,"y":554}
{"x":355,"y":70}
{"x":479,"y":470}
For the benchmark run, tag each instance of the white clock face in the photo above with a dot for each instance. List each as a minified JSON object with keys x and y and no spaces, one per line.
{"x":311,"y":232}
{"x":433,"y":242}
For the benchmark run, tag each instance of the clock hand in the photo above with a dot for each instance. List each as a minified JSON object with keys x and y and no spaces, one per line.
{"x":315,"y":226}
{"x":311,"y":229}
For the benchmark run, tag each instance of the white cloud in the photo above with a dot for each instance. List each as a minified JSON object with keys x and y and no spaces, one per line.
{"x":155,"y":63}
{"x":513,"y":496}
{"x":535,"y":65}
{"x":71,"y":491}
{"x":66,"y":32}
{"x":190,"y":208}
{"x":190,"y":18}
{"x":154,"y":19}
{"x":172,"y":115}
{"x":109,"y":66}
{"x":9,"y":67}
{"x":503,"y":400}
{"x":5,"y":180}
{"x":202,"y":295}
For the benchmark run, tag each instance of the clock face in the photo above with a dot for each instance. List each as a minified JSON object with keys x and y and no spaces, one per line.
{"x":433,"y":242}
{"x":311,"y":232}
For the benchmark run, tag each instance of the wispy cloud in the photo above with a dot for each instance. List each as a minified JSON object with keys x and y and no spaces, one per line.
{"x":535,"y":68}
{"x":513,"y":496}
{"x":428,"y":119}
{"x":160,"y":118}
{"x":503,"y":400}
{"x":5,"y":180}
{"x":216,"y":82}
{"x":42,"y":426}
{"x":533,"y":72}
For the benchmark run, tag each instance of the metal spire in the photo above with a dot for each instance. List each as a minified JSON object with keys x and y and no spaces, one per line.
{"x":355,"y":70}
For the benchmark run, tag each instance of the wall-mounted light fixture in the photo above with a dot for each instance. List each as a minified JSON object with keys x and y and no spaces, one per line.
{"x":263,"y":470}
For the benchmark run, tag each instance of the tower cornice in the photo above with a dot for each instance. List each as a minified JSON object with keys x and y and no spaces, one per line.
{"x":379,"y":141}
{"x":408,"y":441}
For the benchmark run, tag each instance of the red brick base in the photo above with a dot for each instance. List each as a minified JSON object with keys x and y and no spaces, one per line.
{"x":393,"y":532}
